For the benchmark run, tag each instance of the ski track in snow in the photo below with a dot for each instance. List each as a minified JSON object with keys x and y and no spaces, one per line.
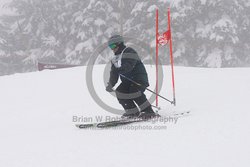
{"x":37,"y":129}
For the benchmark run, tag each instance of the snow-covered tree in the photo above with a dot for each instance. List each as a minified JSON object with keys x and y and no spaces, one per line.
{"x":205,"y":33}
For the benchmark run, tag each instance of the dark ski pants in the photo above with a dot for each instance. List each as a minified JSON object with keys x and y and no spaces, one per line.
{"x":129,"y":95}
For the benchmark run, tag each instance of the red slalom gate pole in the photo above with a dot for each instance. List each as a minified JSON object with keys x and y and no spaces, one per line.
{"x":156,"y":54}
{"x":171,"y":57}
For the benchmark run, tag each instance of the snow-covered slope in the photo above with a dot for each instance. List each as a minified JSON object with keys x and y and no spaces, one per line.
{"x":37,"y":128}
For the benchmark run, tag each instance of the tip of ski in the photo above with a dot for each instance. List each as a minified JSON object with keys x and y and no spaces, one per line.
{"x":85,"y":126}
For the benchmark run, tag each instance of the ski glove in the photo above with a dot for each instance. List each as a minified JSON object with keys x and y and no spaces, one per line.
{"x":109,"y":88}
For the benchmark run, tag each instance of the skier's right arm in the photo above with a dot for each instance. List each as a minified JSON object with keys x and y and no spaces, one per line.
{"x":113,"y":76}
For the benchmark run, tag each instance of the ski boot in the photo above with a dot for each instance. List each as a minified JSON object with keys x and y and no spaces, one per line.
{"x":148,"y":114}
{"x":127,"y":115}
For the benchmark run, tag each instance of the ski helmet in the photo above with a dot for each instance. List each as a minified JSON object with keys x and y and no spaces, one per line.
{"x":115,"y":39}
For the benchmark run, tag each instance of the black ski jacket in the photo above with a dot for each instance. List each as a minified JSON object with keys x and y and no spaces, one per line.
{"x":131,"y":67}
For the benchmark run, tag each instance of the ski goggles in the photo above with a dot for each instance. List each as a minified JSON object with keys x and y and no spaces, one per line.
{"x":112,"y":46}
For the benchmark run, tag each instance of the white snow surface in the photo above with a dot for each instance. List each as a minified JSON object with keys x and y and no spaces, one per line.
{"x":37,"y":129}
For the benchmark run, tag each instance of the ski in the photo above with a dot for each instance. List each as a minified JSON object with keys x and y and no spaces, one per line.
{"x":108,"y":124}
{"x":121,"y":122}
{"x":180,"y":114}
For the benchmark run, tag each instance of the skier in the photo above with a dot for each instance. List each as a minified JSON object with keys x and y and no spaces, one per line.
{"x":127,"y":65}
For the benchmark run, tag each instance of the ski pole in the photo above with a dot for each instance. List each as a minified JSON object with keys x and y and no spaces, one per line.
{"x":147,"y":89}
{"x":158,"y":108}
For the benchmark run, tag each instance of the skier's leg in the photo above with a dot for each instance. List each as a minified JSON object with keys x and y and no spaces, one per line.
{"x":124,"y":98}
{"x":141,"y":99}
